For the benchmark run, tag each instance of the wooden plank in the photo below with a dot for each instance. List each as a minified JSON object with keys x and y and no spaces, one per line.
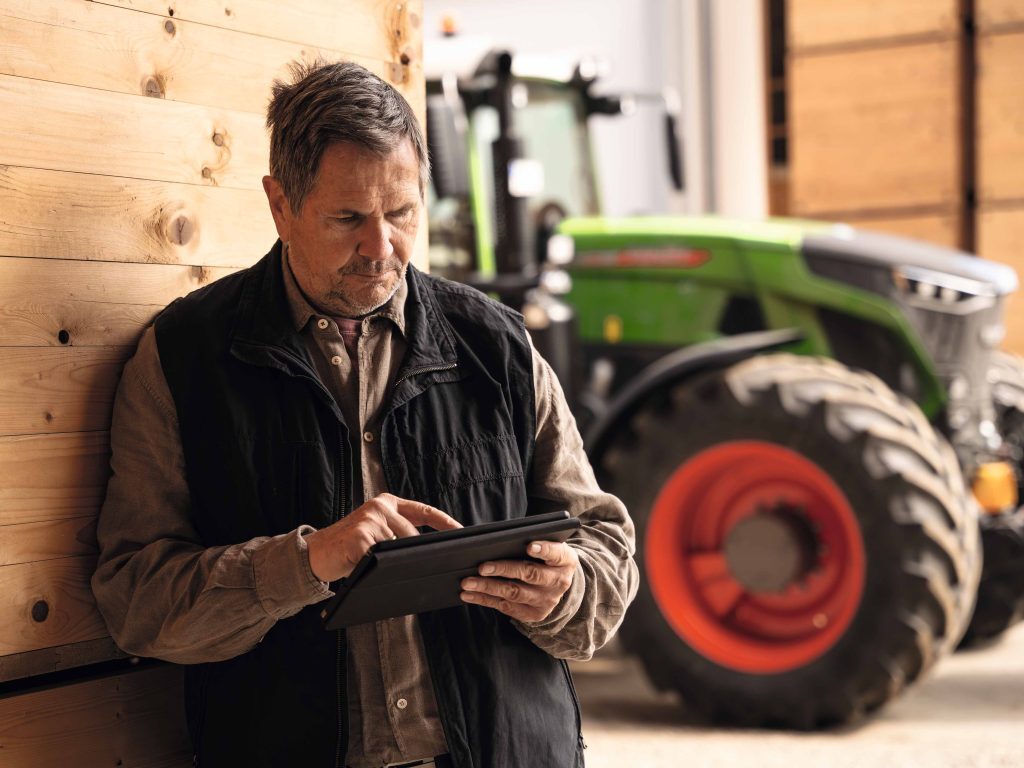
{"x":70,"y":128}
{"x":132,"y":719}
{"x":52,"y":477}
{"x":47,"y":603}
{"x":1000,"y":235}
{"x":383,"y":29}
{"x":818,"y":23}
{"x":50,"y":540}
{"x":58,"y":390}
{"x":50,"y":302}
{"x":1000,"y":117}
{"x":993,"y":14}
{"x":40,"y":662}
{"x":875,"y":129}
{"x":58,"y":215}
{"x":139,"y":53}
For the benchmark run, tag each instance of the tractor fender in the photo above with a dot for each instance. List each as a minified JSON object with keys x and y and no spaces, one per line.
{"x":674,"y":367}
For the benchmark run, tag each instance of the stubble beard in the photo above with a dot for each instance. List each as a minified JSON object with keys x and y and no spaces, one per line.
{"x":349,"y":304}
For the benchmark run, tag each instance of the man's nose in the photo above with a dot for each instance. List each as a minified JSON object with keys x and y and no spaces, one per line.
{"x":375,"y":242}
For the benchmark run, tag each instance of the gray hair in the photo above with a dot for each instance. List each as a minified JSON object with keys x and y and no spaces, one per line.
{"x":326,"y":103}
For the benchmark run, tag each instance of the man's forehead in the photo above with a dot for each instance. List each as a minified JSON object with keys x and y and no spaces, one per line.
{"x":353,"y":170}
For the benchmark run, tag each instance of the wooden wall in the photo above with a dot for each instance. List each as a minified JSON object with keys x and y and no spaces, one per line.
{"x":132,"y":144}
{"x":875,"y":134}
{"x":881,"y":120}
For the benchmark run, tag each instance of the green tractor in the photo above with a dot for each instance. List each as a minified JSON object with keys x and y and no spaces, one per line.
{"x":810,"y":425}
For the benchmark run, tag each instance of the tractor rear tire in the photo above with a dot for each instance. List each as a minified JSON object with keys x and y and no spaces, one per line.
{"x":897,"y":557}
{"x":1001,"y":591}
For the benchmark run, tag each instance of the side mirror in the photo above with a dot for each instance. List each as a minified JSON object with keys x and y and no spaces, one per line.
{"x":676,"y":169}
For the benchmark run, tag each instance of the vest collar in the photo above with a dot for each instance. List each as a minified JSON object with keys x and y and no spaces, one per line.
{"x":264,"y":333}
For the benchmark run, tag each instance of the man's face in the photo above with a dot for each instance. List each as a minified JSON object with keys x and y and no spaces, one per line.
{"x":350,"y":245}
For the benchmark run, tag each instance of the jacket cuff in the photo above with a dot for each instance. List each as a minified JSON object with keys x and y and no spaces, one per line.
{"x":285,"y":583}
{"x":566,"y":609}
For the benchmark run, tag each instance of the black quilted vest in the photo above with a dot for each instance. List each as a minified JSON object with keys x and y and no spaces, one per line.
{"x":266,"y":449}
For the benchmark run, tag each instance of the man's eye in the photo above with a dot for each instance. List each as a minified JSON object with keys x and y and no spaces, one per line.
{"x":346,"y":219}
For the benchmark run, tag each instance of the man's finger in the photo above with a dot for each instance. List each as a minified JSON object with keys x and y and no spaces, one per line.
{"x":515,"y":610}
{"x":423,"y":514}
{"x":401,"y":527}
{"x":512,"y":591}
{"x":523,"y":570}
{"x":554,"y":553}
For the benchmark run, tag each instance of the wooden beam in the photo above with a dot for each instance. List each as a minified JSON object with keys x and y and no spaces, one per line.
{"x":70,"y":128}
{"x":46,"y":604}
{"x":50,"y":302}
{"x":821,"y":23}
{"x":170,"y":57}
{"x":49,"y":540}
{"x":46,"y":660}
{"x":58,"y":215}
{"x":52,"y":477}
{"x":133,"y":719}
{"x":1000,"y":117}
{"x":377,"y":29}
{"x":875,"y":129}
{"x":58,"y":390}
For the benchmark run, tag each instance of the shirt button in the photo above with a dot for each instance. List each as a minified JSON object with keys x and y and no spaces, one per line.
{"x":336,"y":360}
{"x":368,"y":437}
{"x":401,"y":703}
{"x":322,"y":324}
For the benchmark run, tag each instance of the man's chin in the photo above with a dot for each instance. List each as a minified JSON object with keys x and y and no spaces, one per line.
{"x":360,"y":296}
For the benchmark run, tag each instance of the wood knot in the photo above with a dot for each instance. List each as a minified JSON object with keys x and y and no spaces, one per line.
{"x":218,"y":139}
{"x":404,"y":58}
{"x":48,"y":417}
{"x":181,"y":229}
{"x":40,"y":611}
{"x":169,"y":27}
{"x":153,"y":87}
{"x":227,"y":11}
{"x":207,"y":173}
{"x":63,"y":336}
{"x":200,"y":274}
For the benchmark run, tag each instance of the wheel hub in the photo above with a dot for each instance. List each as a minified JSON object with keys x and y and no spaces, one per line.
{"x":771,"y":549}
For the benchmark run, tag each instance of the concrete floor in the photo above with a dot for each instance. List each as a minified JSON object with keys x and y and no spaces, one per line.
{"x":968,"y":713}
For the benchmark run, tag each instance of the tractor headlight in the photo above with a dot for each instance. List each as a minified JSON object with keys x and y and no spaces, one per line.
{"x":561,"y":250}
{"x":928,"y":289}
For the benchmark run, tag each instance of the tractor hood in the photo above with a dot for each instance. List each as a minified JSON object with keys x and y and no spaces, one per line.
{"x":912,"y":259}
{"x":600,"y":233}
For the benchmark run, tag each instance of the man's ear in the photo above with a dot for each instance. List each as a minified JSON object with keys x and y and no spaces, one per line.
{"x":279,"y":207}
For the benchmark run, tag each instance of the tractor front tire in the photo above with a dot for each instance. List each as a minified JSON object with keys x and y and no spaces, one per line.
{"x":880,"y":538}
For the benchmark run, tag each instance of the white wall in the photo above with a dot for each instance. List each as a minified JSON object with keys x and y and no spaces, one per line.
{"x":711,"y":51}
{"x":624,"y":33}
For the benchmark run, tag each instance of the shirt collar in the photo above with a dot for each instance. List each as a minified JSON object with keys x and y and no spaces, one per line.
{"x":302,"y":311}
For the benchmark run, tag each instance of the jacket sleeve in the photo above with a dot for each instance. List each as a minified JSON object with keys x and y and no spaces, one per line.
{"x":562,"y":478}
{"x":160,"y":590}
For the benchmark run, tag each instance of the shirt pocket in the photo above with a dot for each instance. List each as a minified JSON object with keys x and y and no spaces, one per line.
{"x":480,"y":480}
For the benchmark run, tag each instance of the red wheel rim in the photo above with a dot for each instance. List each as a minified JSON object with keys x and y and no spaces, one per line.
{"x":690,"y":577}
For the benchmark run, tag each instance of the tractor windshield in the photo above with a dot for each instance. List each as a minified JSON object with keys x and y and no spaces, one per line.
{"x":557,"y":176}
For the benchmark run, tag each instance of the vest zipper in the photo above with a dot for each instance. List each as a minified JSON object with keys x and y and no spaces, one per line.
{"x":341,"y":494}
{"x":425,"y":369}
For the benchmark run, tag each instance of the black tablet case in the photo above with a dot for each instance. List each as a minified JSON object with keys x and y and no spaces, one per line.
{"x":424,"y":573}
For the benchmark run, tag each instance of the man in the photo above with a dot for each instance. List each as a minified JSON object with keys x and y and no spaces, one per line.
{"x":276,"y":424}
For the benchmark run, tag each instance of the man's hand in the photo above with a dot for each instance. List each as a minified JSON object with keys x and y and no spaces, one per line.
{"x":335,"y":550}
{"x":522,"y":589}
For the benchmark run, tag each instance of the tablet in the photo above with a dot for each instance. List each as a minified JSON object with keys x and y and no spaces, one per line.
{"x":424,"y":573}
